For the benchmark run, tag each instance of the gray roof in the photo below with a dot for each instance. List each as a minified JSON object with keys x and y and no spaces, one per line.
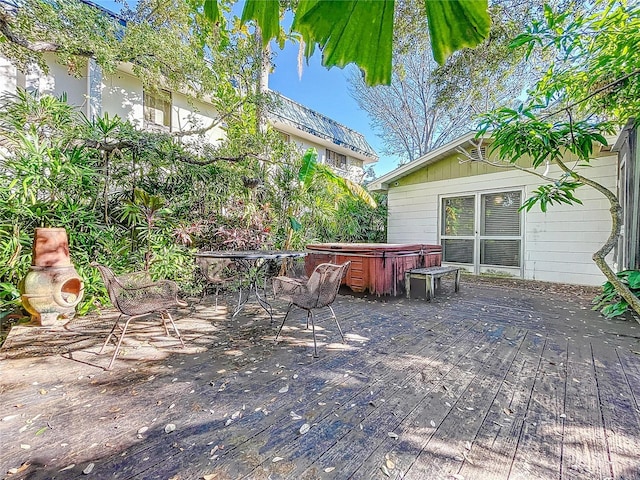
{"x":303,"y":118}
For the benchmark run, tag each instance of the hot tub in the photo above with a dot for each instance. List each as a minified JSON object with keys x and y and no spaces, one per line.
{"x":377,"y":268}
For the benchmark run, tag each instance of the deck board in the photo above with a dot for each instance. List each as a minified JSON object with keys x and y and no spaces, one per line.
{"x":619,"y":412}
{"x":489,"y":383}
{"x":584,"y":447}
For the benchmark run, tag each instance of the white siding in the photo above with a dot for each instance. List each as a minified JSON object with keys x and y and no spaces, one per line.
{"x":122,"y":95}
{"x":354,"y":171}
{"x":190,"y":114}
{"x":57,"y":82}
{"x":558,"y":244}
{"x":8,"y":77}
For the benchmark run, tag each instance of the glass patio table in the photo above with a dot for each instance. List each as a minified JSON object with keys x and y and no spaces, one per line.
{"x":253,"y":265}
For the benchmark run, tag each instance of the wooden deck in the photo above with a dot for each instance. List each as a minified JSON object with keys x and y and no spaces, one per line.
{"x":491,"y":383}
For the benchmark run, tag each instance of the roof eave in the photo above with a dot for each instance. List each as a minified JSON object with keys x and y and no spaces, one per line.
{"x":345,"y":149}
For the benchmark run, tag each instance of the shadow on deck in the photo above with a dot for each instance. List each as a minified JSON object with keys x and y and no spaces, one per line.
{"x":492,"y":383}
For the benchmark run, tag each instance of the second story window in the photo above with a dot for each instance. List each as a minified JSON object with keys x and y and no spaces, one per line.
{"x":336,"y":159}
{"x":157,"y":109}
{"x":285,"y":137}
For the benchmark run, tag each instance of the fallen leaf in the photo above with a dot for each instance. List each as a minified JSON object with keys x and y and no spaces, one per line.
{"x":385,"y":470}
{"x":284,"y":389}
{"x":89,"y":469}
{"x":304,"y":428}
{"x":24,"y":446}
{"x":393,"y":435}
{"x":467,"y":445}
{"x":277,"y":459}
{"x":42,"y":430}
{"x":433,"y":424}
{"x":169,"y":428}
{"x":329,"y":469}
{"x":22,"y":468}
{"x":68,"y":467}
{"x":390,"y":464}
{"x":295,"y":416}
{"x":43,"y":391}
{"x":141,"y":430}
{"x":508,"y":411}
{"x":209,"y":476}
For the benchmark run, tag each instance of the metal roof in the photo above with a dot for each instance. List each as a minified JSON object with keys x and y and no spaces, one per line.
{"x":303,"y":118}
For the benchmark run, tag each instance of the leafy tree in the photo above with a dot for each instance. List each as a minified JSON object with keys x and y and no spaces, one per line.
{"x":591,"y":89}
{"x":307,"y":197}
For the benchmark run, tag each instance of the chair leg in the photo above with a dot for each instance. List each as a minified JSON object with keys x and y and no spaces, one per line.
{"x":204,"y":293}
{"x":164,"y":323}
{"x":110,"y":335}
{"x":336,"y":319}
{"x":313,"y":329}
{"x":174,"y":327}
{"x":124,"y":330}
{"x":283,"y":320}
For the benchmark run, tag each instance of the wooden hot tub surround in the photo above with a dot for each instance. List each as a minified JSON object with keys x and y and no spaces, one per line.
{"x":377,"y":268}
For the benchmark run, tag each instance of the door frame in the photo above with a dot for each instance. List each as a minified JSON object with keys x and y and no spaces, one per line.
{"x":476,"y":268}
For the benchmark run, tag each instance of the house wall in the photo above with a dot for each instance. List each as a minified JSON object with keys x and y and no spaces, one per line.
{"x":557,"y":245}
{"x":118,"y":94}
{"x":121,"y":93}
{"x":56,"y":82}
{"x":354,"y":170}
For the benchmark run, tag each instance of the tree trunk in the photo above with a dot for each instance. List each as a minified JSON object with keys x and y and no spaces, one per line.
{"x":616,"y":225}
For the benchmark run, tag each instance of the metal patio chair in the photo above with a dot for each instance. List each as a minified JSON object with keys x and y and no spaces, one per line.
{"x":134,"y":295}
{"x":318,"y":291}
{"x":217,"y":272}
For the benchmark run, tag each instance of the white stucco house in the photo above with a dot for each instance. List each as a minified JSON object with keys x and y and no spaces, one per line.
{"x":123,"y":94}
{"x":471,"y":208}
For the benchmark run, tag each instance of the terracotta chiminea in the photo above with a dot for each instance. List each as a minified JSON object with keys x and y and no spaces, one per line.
{"x":52,"y":288}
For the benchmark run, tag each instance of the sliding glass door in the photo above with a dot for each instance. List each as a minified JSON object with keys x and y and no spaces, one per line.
{"x":483,"y":231}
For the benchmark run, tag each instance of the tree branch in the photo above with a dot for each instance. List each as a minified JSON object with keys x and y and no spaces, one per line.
{"x":591,"y":95}
{"x":36,"y":47}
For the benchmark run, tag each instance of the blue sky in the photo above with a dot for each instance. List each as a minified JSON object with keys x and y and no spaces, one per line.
{"x":321,"y":89}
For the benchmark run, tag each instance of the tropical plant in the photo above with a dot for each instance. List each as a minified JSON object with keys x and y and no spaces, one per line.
{"x":307,"y":196}
{"x":609,"y":302}
{"x":361,"y":31}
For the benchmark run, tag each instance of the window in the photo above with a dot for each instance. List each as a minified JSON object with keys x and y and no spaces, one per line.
{"x":482,"y":229}
{"x":285,"y":137}
{"x":336,"y":159}
{"x":157,"y":109}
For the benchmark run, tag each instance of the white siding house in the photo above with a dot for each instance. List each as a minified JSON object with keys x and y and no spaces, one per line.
{"x":122,"y":94}
{"x":472,"y":209}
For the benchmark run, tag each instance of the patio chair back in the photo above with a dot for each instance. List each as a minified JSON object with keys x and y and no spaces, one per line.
{"x":135,"y":295}
{"x":323,"y":286}
{"x":320,"y":290}
{"x":214,"y":270}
